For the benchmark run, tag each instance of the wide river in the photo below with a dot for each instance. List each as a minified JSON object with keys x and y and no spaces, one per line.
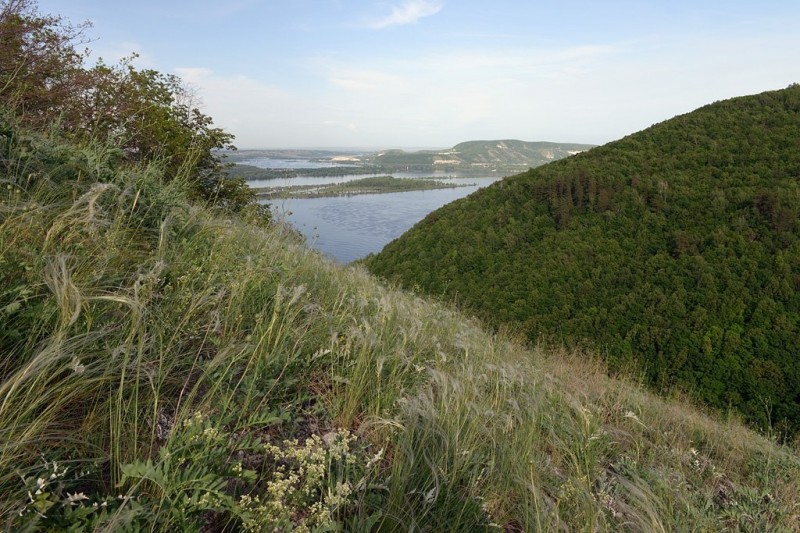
{"x":347,"y":228}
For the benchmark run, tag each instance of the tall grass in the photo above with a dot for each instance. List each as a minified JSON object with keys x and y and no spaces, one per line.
{"x":164,"y":365}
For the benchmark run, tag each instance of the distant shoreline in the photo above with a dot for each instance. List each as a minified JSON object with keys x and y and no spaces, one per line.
{"x":373,"y":185}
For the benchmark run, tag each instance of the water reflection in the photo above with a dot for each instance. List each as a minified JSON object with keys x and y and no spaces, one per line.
{"x":350,"y":227}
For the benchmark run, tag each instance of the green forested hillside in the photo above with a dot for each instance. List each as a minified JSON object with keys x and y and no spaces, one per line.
{"x":676,"y":249}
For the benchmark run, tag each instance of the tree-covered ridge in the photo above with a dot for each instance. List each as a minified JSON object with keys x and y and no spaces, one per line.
{"x":499,"y":155}
{"x":675,"y":248}
{"x":515,"y":152}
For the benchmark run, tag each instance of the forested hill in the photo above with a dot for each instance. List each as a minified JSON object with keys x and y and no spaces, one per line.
{"x":515,"y":152}
{"x":677,"y":247}
{"x":496,"y":155}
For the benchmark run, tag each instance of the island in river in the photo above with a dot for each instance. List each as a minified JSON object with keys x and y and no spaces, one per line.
{"x":371,"y":185}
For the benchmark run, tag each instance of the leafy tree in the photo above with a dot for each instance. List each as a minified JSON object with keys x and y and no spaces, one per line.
{"x":150,"y":115}
{"x":41,"y":73}
{"x":154,"y":118}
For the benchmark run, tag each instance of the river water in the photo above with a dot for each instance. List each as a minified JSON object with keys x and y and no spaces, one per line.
{"x":347,"y":228}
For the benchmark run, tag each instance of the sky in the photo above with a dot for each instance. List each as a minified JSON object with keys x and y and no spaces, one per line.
{"x":433,"y":73}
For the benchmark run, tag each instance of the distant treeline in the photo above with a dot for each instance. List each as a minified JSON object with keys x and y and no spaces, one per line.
{"x":252,"y":173}
{"x":375,"y":185}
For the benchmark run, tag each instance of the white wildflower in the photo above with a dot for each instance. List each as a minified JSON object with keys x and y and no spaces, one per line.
{"x":76,"y":498}
{"x":76,"y":365}
{"x":375,"y":459}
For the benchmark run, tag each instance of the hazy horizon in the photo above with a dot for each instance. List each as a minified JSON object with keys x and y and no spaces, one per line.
{"x":382,"y":148}
{"x":435,"y":73}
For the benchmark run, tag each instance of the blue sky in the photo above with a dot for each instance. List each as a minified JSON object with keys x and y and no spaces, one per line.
{"x":432,"y":73}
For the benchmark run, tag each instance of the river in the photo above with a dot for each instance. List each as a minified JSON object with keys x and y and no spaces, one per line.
{"x":347,"y":228}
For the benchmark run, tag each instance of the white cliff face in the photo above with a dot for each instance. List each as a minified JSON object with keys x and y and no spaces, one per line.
{"x":509,"y":155}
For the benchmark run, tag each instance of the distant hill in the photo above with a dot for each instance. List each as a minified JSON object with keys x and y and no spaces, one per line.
{"x":676,"y":248}
{"x":478,"y":156}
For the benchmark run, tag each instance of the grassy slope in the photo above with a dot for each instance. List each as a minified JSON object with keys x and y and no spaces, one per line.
{"x":170,"y":364}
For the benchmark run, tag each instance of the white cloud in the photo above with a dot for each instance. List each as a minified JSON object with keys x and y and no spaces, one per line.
{"x":259,"y":114}
{"x":426,"y":99}
{"x":408,"y":12}
{"x":115,"y":52}
{"x":340,"y":125}
{"x":514,"y":63}
{"x":364,"y":79}
{"x":592,"y":93}
{"x":194,"y":74}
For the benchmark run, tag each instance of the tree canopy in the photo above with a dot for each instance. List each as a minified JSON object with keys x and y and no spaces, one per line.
{"x":151,"y":116}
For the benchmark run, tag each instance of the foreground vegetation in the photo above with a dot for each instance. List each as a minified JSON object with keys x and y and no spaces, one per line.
{"x":172,"y":360}
{"x":372,"y":185}
{"x":676,"y":249}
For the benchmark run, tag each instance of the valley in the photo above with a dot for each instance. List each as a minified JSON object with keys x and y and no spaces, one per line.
{"x":315,"y":190}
